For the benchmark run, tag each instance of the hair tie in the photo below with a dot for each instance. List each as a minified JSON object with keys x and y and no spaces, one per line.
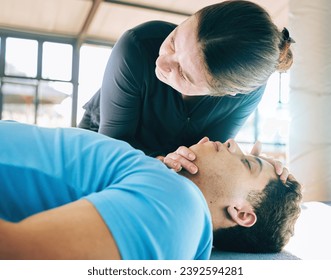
{"x":286,"y":36}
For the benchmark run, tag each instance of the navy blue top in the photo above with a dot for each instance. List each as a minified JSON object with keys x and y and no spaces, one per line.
{"x":133,"y":105}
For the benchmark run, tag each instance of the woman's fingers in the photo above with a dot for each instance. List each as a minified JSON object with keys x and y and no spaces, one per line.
{"x":181,"y":158}
{"x":280,"y":169}
{"x":257,"y":148}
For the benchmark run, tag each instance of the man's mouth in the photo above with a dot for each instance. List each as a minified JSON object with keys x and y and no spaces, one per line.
{"x":216,"y":146}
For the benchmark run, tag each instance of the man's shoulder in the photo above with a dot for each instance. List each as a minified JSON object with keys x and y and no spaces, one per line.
{"x":160,"y":207}
{"x":183,"y":192}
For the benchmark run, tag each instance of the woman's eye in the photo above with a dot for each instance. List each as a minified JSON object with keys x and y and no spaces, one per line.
{"x":181,"y":72}
{"x":172,"y":42}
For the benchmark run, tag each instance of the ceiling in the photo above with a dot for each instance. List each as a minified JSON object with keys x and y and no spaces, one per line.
{"x":105,"y":20}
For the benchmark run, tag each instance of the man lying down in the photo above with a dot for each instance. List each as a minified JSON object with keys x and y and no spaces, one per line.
{"x":67,"y":193}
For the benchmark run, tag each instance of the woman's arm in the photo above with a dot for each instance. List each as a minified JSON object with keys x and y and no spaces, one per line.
{"x":73,"y":231}
{"x":120,"y":99}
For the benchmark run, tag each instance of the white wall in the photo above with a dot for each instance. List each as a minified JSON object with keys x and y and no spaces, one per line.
{"x":310,"y":97}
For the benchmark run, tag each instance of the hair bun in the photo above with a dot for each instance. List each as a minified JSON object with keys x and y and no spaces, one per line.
{"x":286,"y":36}
{"x":286,"y":56}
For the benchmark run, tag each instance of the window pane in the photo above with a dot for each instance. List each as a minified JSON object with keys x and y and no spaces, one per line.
{"x":93,"y":60}
{"x":18,"y":100}
{"x":273,"y":112}
{"x":21,"y":57}
{"x":55,"y":101}
{"x":247,"y":133}
{"x":57,"y":61}
{"x":272,"y":126}
{"x":44,"y":103}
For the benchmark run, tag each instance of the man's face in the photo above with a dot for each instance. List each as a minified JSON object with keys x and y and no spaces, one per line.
{"x":180,"y":63}
{"x":227,"y":175}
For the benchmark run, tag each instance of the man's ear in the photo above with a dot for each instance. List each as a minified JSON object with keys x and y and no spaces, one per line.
{"x":242,"y":215}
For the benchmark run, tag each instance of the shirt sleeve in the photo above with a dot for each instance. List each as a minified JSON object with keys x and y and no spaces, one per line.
{"x":120,"y":95}
{"x":156,"y":223}
{"x":230,"y":126}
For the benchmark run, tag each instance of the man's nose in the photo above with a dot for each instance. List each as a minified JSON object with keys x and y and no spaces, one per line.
{"x":233,"y":147}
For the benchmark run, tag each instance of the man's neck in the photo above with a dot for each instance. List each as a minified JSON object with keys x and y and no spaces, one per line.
{"x":192,"y":177}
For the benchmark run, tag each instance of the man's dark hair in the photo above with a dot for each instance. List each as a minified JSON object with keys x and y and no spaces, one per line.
{"x":277,"y":208}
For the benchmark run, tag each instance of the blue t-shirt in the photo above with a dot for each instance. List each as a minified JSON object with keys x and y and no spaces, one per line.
{"x":152,"y":212}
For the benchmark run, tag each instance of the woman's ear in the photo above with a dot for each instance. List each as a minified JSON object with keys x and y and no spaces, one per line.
{"x":243,"y":215}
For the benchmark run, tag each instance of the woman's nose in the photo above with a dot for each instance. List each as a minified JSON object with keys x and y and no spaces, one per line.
{"x":165,"y":63}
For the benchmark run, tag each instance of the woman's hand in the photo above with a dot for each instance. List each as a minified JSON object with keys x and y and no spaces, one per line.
{"x":281,"y":170}
{"x":182,"y":158}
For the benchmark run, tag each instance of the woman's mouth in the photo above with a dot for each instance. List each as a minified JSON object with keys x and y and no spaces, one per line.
{"x":160,"y":73}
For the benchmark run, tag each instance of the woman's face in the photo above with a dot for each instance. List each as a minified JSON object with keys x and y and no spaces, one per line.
{"x":180,"y":62}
